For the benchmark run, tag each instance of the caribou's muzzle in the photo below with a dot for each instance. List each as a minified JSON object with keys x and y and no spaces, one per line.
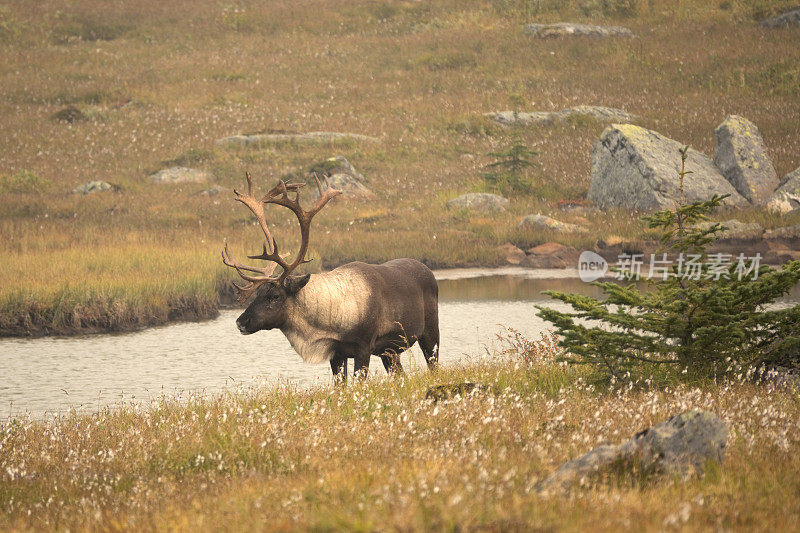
{"x":243,"y":328}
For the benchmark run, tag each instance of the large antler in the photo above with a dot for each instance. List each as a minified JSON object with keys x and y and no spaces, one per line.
{"x":278,"y":195}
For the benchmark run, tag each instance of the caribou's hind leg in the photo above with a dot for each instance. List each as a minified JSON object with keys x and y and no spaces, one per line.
{"x":429,"y":343}
{"x":339,"y":369}
{"x":391,"y":362}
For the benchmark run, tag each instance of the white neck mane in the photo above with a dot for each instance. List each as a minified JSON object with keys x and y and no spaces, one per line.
{"x":330,"y":305}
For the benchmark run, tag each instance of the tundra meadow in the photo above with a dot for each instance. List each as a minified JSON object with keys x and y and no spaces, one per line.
{"x":116,"y":91}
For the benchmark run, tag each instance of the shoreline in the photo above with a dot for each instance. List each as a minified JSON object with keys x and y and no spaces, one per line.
{"x":193,"y":309}
{"x":28,"y":328}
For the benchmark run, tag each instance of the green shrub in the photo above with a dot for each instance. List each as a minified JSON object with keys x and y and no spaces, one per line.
{"x":703,"y":324}
{"x":510,"y":173}
{"x":454,"y":60}
{"x":89,"y":29}
{"x":23,"y":182}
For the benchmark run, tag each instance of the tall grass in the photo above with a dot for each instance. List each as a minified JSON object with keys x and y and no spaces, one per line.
{"x":379,"y":456}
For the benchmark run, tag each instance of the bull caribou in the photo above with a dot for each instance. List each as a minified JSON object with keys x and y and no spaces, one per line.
{"x":354,"y":311}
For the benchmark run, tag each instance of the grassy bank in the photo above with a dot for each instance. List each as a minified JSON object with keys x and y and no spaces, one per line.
{"x":157,"y":85}
{"x":378,"y":456}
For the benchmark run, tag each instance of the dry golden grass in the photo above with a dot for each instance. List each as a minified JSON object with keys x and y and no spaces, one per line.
{"x":377,"y":456}
{"x":159,"y":82}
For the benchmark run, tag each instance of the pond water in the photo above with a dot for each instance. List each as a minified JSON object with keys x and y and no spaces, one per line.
{"x":51,"y":375}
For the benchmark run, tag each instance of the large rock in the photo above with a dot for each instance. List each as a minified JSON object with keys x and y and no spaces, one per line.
{"x":181,"y":175}
{"x":787,"y":196}
{"x":742,"y":158}
{"x":790,"y":18}
{"x":94,"y":186}
{"x":783,"y":203}
{"x":542,"y":222}
{"x":479,"y":201}
{"x":341,"y":175}
{"x":638,"y":168}
{"x":551,"y":255}
{"x":569,"y":29}
{"x":598,"y":113}
{"x":311,"y":138}
{"x":682,"y":446}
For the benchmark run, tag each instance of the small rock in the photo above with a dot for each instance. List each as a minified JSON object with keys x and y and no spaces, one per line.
{"x":551,"y":255}
{"x":479,"y":201}
{"x":70,"y":114}
{"x":785,"y":233}
{"x":512,"y":254}
{"x":446,"y":392}
{"x":790,"y":18}
{"x":681,"y":446}
{"x":742,"y":158}
{"x":213,"y":191}
{"x":181,"y":175}
{"x":341,"y":175}
{"x":314,"y":138}
{"x":736,"y":230}
{"x":542,"y":222}
{"x":568,"y":29}
{"x":638,"y":168}
{"x":598,"y":113}
{"x":94,"y":186}
{"x":787,"y":196}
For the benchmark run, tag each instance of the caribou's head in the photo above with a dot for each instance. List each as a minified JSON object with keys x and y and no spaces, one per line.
{"x":269,"y":308}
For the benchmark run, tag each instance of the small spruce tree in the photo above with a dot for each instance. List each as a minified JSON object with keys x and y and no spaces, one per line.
{"x":722,"y":313}
{"x":510,"y":173}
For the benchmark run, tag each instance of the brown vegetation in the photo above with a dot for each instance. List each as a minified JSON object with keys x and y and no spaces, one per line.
{"x":159,"y":82}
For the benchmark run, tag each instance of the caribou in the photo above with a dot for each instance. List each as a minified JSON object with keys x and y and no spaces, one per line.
{"x":354,"y":311}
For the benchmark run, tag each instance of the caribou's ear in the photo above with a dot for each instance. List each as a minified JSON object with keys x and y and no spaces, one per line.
{"x":295,"y":283}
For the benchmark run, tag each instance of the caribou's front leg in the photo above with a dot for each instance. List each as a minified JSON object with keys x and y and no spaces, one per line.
{"x":361,"y":366}
{"x":339,"y":369}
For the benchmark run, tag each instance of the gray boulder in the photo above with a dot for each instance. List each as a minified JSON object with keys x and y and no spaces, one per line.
{"x":790,"y":18}
{"x":682,"y":446}
{"x":638,"y":168}
{"x":341,"y":175}
{"x":462,"y":390}
{"x":787,"y":233}
{"x":542,"y":222}
{"x":70,"y":114}
{"x":479,"y":201}
{"x":216,"y":190}
{"x":94,"y":186}
{"x":598,"y":113}
{"x":569,"y":29}
{"x":787,"y":196}
{"x":181,"y":175}
{"x":311,"y":138}
{"x":737,"y":230}
{"x":742,"y":158}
